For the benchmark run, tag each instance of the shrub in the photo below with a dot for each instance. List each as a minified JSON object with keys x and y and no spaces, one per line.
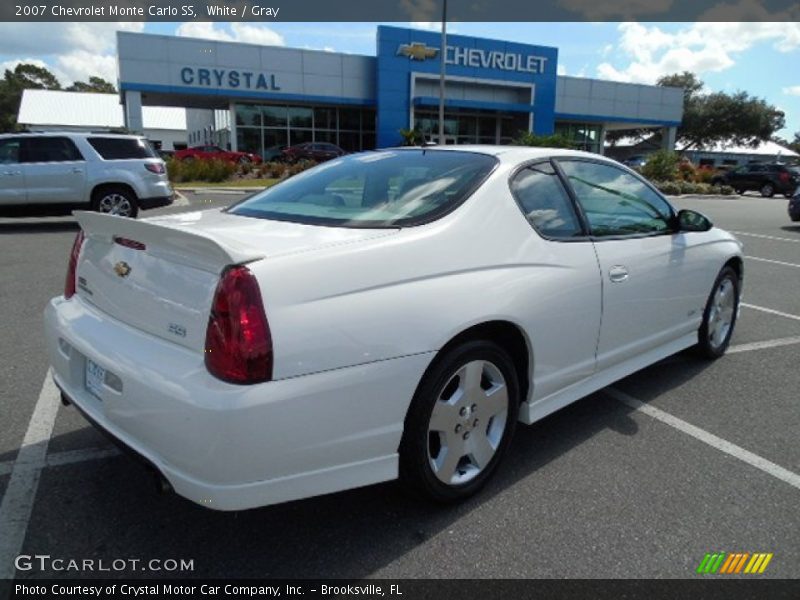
{"x":661,"y":166}
{"x":687,"y":171}
{"x":212,"y":171}
{"x":704,"y":174}
{"x":543,"y":141}
{"x":670,"y":188}
{"x":688,"y":187}
{"x":725,"y":190}
{"x":299,"y":167}
{"x":273,"y":170}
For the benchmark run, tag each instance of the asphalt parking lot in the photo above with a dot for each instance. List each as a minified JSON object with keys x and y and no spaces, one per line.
{"x":637,"y":481}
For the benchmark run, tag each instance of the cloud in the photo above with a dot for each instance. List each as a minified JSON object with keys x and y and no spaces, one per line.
{"x":421,"y":11}
{"x":239,"y":32}
{"x":700,"y":48}
{"x":71,"y":51}
{"x":792,"y":90}
{"x":616,"y":10}
{"x":561,"y":70}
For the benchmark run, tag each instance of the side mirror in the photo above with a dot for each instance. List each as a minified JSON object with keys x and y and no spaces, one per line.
{"x":690,"y":220}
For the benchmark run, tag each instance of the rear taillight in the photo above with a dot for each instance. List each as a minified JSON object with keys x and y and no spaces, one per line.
{"x":69,"y":283}
{"x":157,"y":168}
{"x":238,"y":340}
{"x":784,"y":176}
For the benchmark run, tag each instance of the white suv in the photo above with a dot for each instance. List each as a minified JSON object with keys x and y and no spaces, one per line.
{"x":117,"y":174}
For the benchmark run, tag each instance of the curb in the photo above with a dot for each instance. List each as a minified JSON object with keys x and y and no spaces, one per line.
{"x":224,"y":190}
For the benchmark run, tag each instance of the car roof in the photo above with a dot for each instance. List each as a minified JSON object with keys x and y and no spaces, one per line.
{"x":509,"y":153}
{"x":71,"y":133}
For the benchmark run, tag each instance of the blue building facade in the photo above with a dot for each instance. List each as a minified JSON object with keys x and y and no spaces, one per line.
{"x":262,"y":98}
{"x":497,"y":76}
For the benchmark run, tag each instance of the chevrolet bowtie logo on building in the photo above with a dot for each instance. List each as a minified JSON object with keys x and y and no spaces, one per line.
{"x":417,"y":51}
{"x":727,"y":563}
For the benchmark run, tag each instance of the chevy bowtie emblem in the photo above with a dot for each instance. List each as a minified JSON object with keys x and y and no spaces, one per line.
{"x":417,"y":51}
{"x":122,"y":268}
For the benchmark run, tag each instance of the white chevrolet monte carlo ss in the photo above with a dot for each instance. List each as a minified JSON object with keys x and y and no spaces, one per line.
{"x":386,"y":314}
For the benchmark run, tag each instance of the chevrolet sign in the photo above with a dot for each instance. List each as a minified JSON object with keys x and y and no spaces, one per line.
{"x":476,"y":57}
{"x":417,"y":51}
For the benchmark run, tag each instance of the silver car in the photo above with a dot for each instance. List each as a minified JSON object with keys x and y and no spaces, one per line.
{"x":116,"y":174}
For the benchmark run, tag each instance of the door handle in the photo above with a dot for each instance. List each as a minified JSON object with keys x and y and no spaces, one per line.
{"x":11,"y":173}
{"x":77,"y":170}
{"x":617,"y":274}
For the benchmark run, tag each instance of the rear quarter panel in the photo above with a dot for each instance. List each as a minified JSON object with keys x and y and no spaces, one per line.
{"x":413,"y":292}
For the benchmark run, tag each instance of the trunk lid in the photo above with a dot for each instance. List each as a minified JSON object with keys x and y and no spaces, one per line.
{"x":158,"y":275}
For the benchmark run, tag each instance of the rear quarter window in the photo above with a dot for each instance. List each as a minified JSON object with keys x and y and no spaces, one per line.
{"x":121,"y":148}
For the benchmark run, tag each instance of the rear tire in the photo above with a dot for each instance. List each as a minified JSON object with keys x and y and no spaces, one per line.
{"x":719,"y":316}
{"x":115,"y":200}
{"x":767,"y":190}
{"x":460,"y":422}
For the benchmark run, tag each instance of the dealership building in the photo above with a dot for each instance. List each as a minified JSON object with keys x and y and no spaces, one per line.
{"x":260,"y":98}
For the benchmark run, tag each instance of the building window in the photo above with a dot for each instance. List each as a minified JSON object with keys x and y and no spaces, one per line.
{"x":265,"y":129}
{"x":584,"y":136}
{"x":463,"y":126}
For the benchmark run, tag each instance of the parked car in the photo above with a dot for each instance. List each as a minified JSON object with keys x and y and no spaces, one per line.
{"x":766,"y":178}
{"x":210,"y":152}
{"x":318,"y":151}
{"x":54,"y":172}
{"x":394,"y":313}
{"x":794,"y":205}
{"x":635,"y":162}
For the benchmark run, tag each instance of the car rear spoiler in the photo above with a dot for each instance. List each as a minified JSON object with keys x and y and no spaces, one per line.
{"x":189,"y":247}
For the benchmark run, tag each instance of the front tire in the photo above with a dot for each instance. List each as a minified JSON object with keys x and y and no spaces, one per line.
{"x":460,"y":422}
{"x":719,"y":317}
{"x":115,"y":200}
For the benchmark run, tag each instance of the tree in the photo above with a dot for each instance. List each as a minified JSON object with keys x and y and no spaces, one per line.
{"x":95,"y":84}
{"x":25,"y":76}
{"x":718,"y":117}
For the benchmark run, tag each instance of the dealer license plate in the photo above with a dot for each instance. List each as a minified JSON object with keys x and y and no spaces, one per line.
{"x":95,"y":376}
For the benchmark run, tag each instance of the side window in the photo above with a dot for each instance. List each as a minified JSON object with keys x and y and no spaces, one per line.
{"x":616,"y":202}
{"x":545,"y":202}
{"x":49,"y":149}
{"x":9,"y":151}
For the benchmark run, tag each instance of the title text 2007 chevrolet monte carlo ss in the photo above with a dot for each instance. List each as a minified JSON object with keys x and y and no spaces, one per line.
{"x":387,"y":314}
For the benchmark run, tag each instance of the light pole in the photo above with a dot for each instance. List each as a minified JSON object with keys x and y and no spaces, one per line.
{"x":443,"y":55}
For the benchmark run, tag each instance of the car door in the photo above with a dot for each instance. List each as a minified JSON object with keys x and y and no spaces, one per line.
{"x":54,"y":169}
{"x":654,"y":279}
{"x":12,"y":177}
{"x":737,"y":177}
{"x":565,"y":298}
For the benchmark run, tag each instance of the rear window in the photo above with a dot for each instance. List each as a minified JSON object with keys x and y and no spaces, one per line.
{"x":390,"y":188}
{"x":122,"y":148}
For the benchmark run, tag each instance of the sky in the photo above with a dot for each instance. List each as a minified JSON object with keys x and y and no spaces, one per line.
{"x":762,"y":59}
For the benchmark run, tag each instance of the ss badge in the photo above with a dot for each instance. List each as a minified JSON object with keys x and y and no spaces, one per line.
{"x":178,"y":330}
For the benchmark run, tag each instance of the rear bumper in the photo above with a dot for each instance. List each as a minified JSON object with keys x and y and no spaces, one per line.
{"x":147,"y":203}
{"x":232,"y":447}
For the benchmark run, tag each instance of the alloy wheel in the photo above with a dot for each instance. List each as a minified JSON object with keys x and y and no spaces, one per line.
{"x":115,"y":204}
{"x":467,"y":422}
{"x":720,"y":319}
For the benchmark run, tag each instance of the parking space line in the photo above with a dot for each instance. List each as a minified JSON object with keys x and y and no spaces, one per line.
{"x":706,"y":437}
{"x":776,"y":343}
{"x":68,"y":457}
{"x":775,"y":262}
{"x":766,"y":237}
{"x":771,"y":311}
{"x":15,"y":510}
